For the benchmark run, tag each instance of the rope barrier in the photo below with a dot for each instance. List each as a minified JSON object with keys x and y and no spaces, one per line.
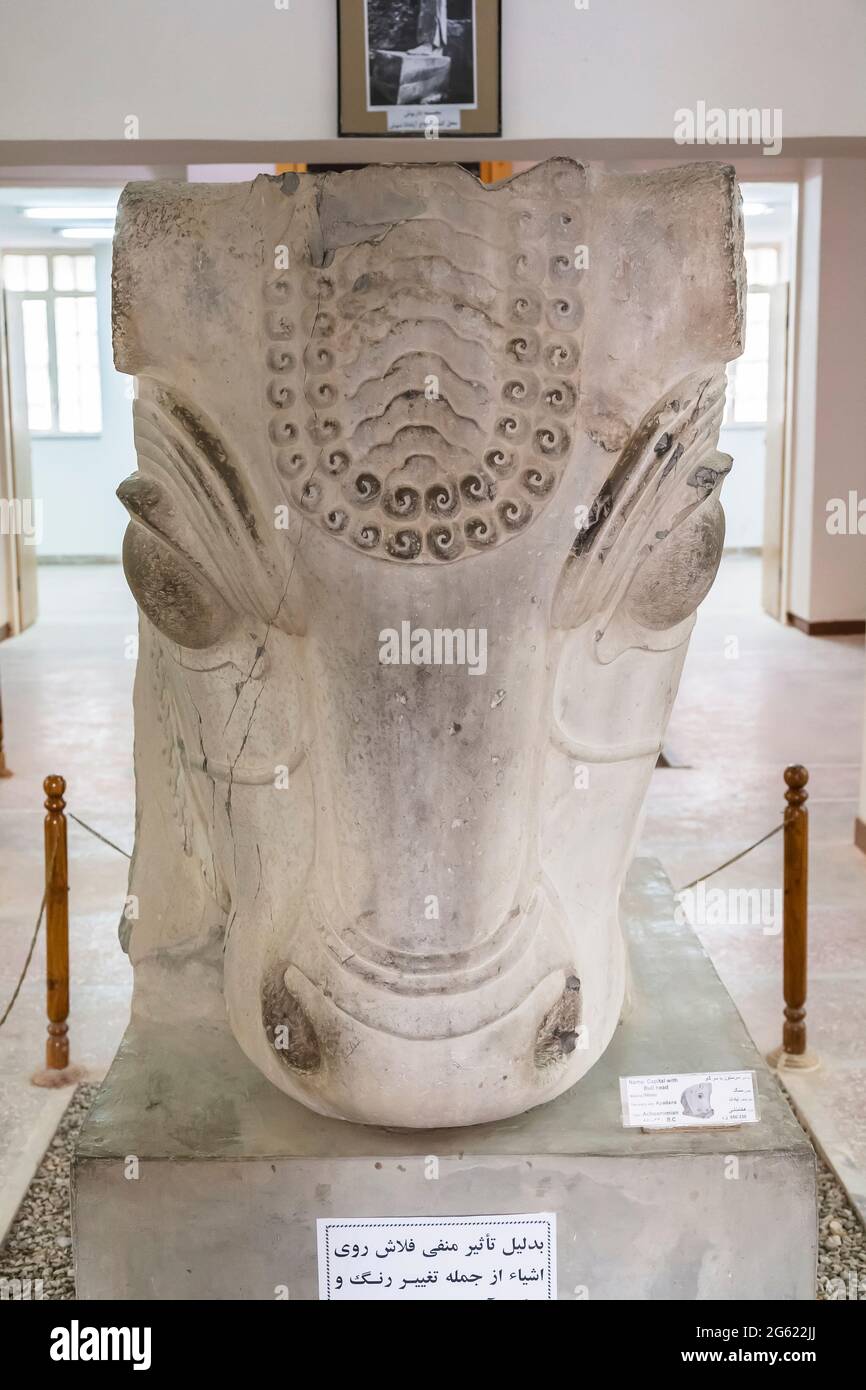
{"x":718,"y":869}
{"x":89,"y":828}
{"x":17,"y":990}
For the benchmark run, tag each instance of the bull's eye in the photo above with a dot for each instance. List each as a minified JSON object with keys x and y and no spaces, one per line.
{"x":176,"y":598}
{"x":170,"y":587}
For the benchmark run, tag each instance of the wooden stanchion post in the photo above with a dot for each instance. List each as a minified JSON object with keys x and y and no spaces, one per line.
{"x":796,"y":907}
{"x":57,"y":1069}
{"x":793,"y":1054}
{"x":56,"y":924}
{"x":4,"y":770}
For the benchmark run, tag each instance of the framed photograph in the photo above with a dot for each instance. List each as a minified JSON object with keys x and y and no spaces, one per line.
{"x":419,"y":67}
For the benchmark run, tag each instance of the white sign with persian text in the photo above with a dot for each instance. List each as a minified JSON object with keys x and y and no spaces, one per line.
{"x":693,"y":1099}
{"x":420,"y":119}
{"x":436,"y":1258}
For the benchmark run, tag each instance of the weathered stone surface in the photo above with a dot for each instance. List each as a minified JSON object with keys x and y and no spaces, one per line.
{"x":482,"y":421}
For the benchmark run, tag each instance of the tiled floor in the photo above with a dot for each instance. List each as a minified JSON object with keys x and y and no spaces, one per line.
{"x":67,"y":685}
{"x":781,"y":698}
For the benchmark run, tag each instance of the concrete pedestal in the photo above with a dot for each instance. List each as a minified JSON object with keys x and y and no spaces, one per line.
{"x":231,"y":1174}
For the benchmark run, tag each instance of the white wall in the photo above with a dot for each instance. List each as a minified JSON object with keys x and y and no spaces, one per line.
{"x":76,"y":478}
{"x":245,"y":70}
{"x":861,"y":806}
{"x":828,"y":572}
{"x":7,"y":608}
{"x":7,"y":540}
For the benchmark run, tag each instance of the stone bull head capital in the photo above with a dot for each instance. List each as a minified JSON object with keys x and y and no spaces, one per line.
{"x":427,"y":498}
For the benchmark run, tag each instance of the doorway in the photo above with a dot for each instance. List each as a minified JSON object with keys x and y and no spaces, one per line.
{"x":66,"y":412}
{"x":754,"y":428}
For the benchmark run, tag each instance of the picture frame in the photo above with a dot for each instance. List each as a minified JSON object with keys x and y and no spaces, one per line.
{"x":428,"y":68}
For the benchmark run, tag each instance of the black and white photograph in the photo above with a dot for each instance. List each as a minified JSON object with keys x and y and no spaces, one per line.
{"x":420,"y":53}
{"x":426,"y":68}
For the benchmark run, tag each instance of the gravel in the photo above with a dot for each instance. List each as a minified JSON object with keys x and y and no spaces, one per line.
{"x":39,"y":1243}
{"x":842,"y":1249}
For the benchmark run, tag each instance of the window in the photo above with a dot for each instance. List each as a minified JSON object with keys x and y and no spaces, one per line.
{"x":762,"y":265}
{"x":748,"y":377}
{"x":61,"y":339}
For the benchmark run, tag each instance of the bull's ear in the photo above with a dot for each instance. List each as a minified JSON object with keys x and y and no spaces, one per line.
{"x":169,"y":586}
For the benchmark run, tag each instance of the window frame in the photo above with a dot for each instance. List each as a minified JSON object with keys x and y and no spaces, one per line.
{"x":50,"y":295}
{"x":761,"y":287}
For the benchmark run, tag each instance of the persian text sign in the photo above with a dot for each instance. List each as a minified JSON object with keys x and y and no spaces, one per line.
{"x":708,"y":1098}
{"x":436,"y":1258}
{"x":423,"y":118}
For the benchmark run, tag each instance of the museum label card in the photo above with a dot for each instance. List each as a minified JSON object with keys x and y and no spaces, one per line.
{"x":689,"y":1101}
{"x":436,"y":1258}
{"x":420,"y":119}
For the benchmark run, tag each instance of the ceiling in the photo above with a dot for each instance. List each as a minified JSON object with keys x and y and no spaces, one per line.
{"x":777,"y":225}
{"x":17,"y":231}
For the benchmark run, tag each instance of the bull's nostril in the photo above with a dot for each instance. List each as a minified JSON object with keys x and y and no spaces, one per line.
{"x":559,"y":1031}
{"x":287,"y":1025}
